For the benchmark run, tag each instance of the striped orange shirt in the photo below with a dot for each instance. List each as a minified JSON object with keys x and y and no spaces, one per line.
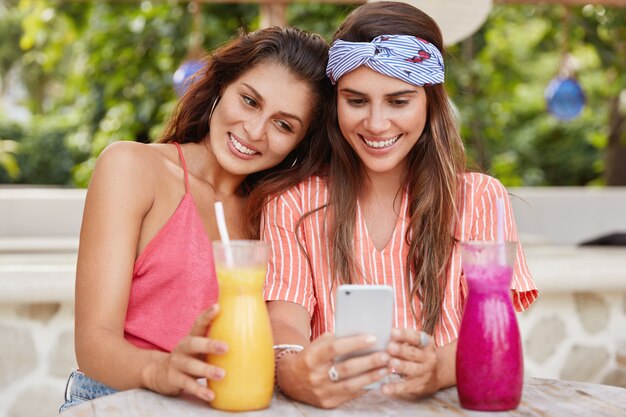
{"x":292,"y":278}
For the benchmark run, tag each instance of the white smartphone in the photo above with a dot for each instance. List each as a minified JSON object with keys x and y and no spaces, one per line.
{"x":363,"y":309}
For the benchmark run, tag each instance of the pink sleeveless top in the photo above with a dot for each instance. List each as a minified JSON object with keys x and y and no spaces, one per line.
{"x":174,"y":279}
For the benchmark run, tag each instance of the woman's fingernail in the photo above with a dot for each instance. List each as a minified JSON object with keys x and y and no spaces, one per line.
{"x":219,"y":374}
{"x":393,"y":348}
{"x":382,"y":371}
{"x":220,"y":347}
{"x":384,"y":358}
{"x":207,"y":395}
{"x":371,"y":339}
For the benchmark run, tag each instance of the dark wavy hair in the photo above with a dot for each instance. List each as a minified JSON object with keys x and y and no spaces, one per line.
{"x":432,"y":177}
{"x":305,"y":55}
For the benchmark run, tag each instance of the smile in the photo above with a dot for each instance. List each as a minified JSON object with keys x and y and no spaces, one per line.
{"x":379,"y":144}
{"x":240,"y":146}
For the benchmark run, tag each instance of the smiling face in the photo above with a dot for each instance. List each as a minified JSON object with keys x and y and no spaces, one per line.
{"x":381,"y":117}
{"x":261,"y":117}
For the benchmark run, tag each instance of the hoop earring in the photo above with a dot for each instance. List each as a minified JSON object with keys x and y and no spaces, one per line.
{"x":213,"y":107}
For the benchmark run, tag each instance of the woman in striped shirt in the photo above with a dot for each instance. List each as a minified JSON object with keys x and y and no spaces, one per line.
{"x":391,"y":209}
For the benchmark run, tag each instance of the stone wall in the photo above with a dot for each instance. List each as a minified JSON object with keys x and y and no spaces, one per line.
{"x":578,"y":336}
{"x":37,"y":345}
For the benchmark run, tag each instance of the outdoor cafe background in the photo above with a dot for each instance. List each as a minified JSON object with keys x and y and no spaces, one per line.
{"x":77,"y":75}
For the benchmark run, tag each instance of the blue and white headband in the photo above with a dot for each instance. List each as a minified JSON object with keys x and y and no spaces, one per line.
{"x":408,"y":58}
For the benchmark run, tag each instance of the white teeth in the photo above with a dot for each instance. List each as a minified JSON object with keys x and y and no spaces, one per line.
{"x":381,"y":144}
{"x":240,"y":147}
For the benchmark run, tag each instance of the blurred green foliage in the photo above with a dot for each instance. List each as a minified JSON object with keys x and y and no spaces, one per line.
{"x":497,"y":80}
{"x":98,"y":72}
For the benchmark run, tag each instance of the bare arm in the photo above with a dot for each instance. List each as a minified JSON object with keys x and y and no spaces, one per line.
{"x":115,"y":206}
{"x":120,"y":195}
{"x":290,"y":323}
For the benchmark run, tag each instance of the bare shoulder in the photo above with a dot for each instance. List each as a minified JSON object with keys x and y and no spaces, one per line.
{"x":129,"y":171}
{"x":128,"y":156}
{"x":133,"y":161}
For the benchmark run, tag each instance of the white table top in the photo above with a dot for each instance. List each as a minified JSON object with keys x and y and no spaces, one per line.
{"x":540,"y":398}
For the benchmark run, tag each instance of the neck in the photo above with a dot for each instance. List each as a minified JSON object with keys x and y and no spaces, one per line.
{"x":382,"y":186}
{"x":207,"y":168}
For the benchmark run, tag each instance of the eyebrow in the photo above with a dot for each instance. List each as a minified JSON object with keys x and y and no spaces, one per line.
{"x":395,"y":94}
{"x":281,"y":113}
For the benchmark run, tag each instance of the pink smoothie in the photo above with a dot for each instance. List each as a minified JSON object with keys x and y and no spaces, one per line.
{"x":489,"y":361}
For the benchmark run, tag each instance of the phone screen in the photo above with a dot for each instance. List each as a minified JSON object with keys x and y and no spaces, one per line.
{"x":364,"y":309}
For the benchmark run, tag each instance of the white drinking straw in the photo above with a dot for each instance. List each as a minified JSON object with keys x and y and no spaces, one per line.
{"x":221,"y":226}
{"x":500,"y":230}
{"x":500,"y":219}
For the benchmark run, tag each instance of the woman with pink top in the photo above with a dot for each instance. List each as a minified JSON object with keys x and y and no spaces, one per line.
{"x":390,"y":209}
{"x":249,"y":126}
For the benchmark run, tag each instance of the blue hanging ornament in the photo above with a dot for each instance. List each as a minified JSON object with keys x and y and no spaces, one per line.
{"x":565,"y":98}
{"x":184,"y":75}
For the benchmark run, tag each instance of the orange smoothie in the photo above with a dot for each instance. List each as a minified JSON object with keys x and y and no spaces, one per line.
{"x":243,"y":323}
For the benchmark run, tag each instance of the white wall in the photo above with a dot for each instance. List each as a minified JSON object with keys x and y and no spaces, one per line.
{"x":568,"y":215}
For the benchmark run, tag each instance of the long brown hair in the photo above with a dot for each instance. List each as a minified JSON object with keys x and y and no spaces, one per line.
{"x":432,"y":176}
{"x":302,"y":53}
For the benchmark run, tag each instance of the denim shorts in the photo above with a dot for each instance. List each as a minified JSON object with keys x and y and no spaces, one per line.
{"x":81,"y":388}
